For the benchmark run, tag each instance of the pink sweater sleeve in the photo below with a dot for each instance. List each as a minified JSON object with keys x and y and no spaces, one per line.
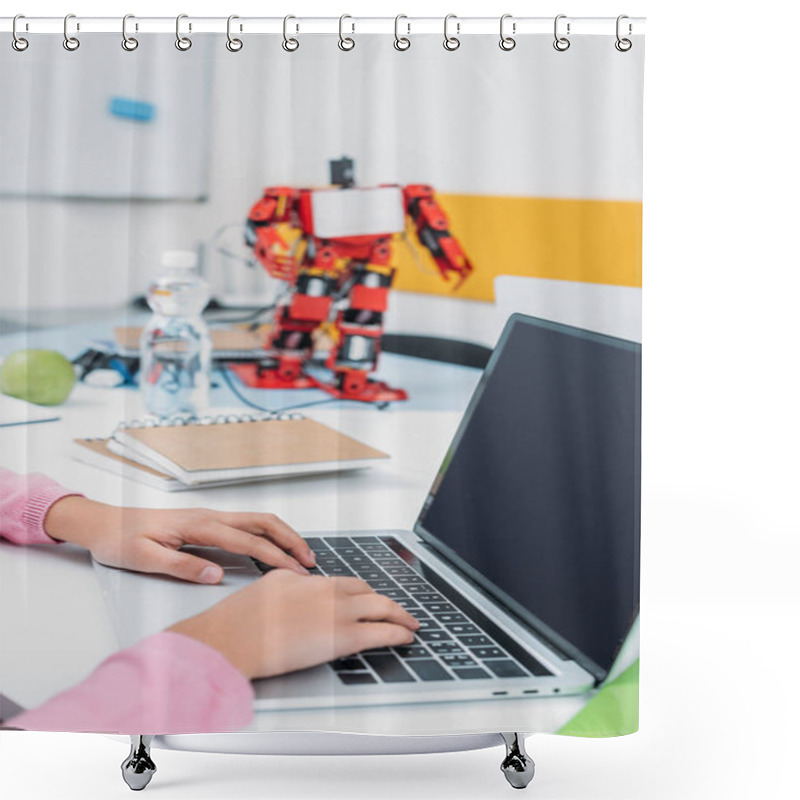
{"x":24,"y":503}
{"x":167,"y":683}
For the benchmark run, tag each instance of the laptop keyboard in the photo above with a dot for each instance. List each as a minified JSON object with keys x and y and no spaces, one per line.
{"x":449,"y":645}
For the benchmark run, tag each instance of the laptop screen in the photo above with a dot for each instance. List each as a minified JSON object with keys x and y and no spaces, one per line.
{"x":538,"y":497}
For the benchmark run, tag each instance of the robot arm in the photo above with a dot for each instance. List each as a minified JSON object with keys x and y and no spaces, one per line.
{"x":270,"y":248}
{"x":431,"y":226}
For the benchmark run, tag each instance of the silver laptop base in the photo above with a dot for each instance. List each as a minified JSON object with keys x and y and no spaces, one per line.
{"x":139,"y":767}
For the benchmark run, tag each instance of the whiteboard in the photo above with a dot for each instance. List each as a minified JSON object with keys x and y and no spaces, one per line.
{"x":103,"y":122}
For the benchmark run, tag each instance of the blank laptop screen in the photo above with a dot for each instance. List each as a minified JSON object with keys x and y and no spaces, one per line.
{"x":538,"y":497}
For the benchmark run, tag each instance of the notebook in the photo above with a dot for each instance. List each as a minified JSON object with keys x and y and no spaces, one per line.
{"x":97,"y":453}
{"x":231,"y":448}
{"x":227,"y":343}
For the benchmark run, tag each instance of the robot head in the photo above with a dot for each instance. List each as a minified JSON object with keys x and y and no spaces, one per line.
{"x":342,"y":172}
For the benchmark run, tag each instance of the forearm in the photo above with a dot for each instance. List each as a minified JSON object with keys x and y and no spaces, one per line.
{"x":25,"y":502}
{"x":79,"y":520}
{"x":168,"y":683}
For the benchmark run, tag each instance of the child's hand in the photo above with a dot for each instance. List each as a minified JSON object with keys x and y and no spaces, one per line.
{"x":147,"y":539}
{"x":284,"y":622}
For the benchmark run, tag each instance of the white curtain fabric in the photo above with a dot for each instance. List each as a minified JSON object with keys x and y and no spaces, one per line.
{"x":109,"y":158}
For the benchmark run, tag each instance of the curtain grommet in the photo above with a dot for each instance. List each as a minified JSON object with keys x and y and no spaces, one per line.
{"x":623,"y":44}
{"x":507,"y":43}
{"x":401,"y":43}
{"x":71,"y":43}
{"x":233,"y":44}
{"x":183,"y":43}
{"x":346,"y":43}
{"x":451,"y":43}
{"x":129,"y":43}
{"x":289,"y":44}
{"x":560,"y":43}
{"x":19,"y":43}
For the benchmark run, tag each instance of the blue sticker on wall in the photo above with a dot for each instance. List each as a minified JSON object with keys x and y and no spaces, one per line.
{"x":132,"y":109}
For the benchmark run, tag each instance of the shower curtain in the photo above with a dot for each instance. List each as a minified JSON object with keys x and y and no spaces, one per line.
{"x":431,"y":252}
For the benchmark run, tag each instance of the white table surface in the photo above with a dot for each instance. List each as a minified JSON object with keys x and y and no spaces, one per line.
{"x":55,"y":628}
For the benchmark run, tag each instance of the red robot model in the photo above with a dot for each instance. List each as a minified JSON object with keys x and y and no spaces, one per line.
{"x":340,"y":273}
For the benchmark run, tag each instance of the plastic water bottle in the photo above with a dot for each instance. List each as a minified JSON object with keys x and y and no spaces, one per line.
{"x":175,"y":371}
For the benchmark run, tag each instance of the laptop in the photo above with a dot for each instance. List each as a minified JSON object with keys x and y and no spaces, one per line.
{"x":523,"y":564}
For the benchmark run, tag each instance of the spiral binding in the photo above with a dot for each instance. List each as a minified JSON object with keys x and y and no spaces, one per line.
{"x":209,"y":419}
{"x":346,"y":41}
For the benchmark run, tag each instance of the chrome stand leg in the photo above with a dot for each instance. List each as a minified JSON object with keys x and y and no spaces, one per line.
{"x":517,"y":766}
{"x":138,"y":768}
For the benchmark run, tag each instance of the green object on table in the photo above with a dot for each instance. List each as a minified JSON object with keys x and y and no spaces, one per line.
{"x":613,"y":711}
{"x":44,"y":377}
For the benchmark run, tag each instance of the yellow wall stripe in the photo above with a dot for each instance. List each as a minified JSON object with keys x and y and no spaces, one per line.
{"x":595,"y":241}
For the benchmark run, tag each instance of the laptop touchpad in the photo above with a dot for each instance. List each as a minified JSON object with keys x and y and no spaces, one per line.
{"x":142,"y":604}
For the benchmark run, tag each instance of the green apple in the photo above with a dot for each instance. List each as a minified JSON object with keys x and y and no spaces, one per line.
{"x":44,"y":377}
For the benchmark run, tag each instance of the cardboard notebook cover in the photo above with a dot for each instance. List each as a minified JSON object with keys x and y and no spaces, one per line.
{"x":97,"y":453}
{"x":222,"y":339}
{"x":197,"y":453}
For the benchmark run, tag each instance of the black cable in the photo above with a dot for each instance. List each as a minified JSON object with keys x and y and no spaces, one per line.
{"x":226,"y":376}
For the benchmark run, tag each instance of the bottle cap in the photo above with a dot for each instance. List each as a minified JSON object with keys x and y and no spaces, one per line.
{"x":179,"y":259}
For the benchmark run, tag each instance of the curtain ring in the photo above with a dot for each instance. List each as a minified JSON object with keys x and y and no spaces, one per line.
{"x":451,"y":42}
{"x":70,"y":42}
{"x":507,"y":42}
{"x":233,"y":44}
{"x":346,"y":42}
{"x":129,"y":43}
{"x":623,"y":44}
{"x":290,"y":44}
{"x":182,"y":42}
{"x":401,"y":42}
{"x":18,"y":43}
{"x":561,"y":43}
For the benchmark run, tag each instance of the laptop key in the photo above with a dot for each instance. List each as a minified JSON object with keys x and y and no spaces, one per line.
{"x":353,"y":664}
{"x":352,"y":678}
{"x":506,"y":669}
{"x":434,"y":636}
{"x":463,"y":629}
{"x":400,"y":571}
{"x":458,"y":660}
{"x":389,"y":668}
{"x":395,"y":592}
{"x":470,"y":673}
{"x":439,"y":608}
{"x":412,"y":581}
{"x":447,"y":619}
{"x":426,"y":598}
{"x":338,"y":542}
{"x":430,"y":670}
{"x":369,"y":575}
{"x":412,"y":651}
{"x":427,"y":624}
{"x":316,"y":543}
{"x":475,"y":641}
{"x":445,"y":647}
{"x":488,"y":652}
{"x":383,"y":586}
